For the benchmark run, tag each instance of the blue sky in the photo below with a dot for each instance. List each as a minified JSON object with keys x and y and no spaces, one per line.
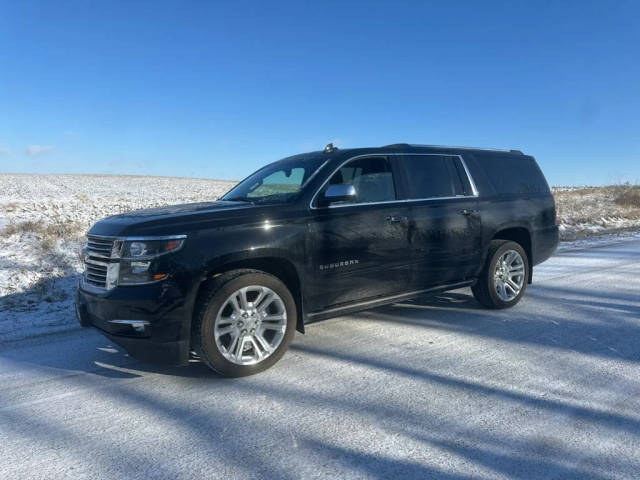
{"x":216,"y":89}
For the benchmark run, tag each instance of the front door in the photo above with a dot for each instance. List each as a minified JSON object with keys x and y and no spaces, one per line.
{"x":359,"y":247}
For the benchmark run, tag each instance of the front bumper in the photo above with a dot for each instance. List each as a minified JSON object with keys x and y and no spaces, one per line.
{"x":162,"y":307}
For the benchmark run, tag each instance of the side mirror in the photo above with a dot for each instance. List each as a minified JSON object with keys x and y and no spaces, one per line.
{"x":338,"y":193}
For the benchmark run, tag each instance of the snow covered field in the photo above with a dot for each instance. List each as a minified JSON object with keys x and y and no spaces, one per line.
{"x":43,"y":219}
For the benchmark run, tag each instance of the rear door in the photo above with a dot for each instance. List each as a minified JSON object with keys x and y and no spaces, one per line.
{"x":444,"y":223}
{"x":359,"y":248}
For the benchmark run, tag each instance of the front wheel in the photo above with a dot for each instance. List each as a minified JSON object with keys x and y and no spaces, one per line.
{"x":244,"y":322}
{"x":503,"y":279}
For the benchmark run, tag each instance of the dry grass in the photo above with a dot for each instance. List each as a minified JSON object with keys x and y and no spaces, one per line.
{"x":9,"y":207}
{"x":49,"y":235}
{"x":591,"y":211}
{"x":627,"y":195}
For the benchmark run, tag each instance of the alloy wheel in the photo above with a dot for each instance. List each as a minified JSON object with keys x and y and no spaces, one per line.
{"x":250,"y":325}
{"x":508,"y":277}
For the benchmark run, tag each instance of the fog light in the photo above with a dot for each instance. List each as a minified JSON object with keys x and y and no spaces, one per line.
{"x":137,"y":325}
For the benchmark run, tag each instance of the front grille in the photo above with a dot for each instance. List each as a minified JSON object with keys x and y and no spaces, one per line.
{"x":99,"y":247}
{"x":95,"y":273}
{"x":97,"y":260}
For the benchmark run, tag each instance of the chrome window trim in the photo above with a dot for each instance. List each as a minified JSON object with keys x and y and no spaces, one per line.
{"x":474,"y":189}
{"x":320,"y":167}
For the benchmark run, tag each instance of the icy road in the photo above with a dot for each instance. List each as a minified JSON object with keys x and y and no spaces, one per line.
{"x":433,"y":388}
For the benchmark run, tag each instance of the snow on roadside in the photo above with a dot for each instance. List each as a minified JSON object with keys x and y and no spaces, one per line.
{"x":590,"y":211}
{"x":599,"y":241}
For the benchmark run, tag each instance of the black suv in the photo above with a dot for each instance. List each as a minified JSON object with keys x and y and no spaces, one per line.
{"x":310,"y":237}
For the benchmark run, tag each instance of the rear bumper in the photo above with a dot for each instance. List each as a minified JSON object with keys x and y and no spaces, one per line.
{"x":545,"y":242}
{"x":165,"y":336}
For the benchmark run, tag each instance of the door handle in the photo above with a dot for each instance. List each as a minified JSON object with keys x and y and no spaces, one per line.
{"x":467,"y":212}
{"x":397,"y":218}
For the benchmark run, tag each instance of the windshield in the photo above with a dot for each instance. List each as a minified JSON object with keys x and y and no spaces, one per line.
{"x":279,"y":182}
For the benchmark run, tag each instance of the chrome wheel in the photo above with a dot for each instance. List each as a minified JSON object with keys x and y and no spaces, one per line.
{"x":508,"y":277}
{"x":250,"y":325}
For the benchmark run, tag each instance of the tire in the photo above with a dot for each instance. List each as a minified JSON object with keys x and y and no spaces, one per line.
{"x":488,"y":290}
{"x":272,"y":327}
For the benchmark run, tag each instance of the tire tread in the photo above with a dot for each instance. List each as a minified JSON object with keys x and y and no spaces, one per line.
{"x":204,"y":298}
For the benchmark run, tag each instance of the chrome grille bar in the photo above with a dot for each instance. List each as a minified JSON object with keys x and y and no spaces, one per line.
{"x":96,"y":261}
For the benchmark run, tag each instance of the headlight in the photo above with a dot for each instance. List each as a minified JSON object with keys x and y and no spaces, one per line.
{"x":137,"y":256}
{"x":143,"y":248}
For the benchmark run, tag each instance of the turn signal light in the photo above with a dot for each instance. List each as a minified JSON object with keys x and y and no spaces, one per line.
{"x":172,"y":245}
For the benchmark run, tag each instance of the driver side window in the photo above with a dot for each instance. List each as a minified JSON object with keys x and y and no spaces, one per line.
{"x":371,"y":177}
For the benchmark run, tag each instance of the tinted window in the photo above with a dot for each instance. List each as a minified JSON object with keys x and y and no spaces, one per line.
{"x":371,"y":178}
{"x":513,"y":173}
{"x":431,"y":176}
{"x":276,"y":183}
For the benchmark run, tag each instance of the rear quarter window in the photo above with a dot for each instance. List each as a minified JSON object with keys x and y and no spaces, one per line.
{"x":517,"y":174}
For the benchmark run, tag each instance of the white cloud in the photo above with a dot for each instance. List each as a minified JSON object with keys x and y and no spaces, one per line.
{"x":34,"y":150}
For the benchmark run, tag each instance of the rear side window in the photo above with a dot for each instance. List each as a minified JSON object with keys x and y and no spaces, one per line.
{"x":513,"y":174}
{"x":431,"y":176}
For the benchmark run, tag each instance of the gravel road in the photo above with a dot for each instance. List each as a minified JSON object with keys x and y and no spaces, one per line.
{"x":432,"y":388}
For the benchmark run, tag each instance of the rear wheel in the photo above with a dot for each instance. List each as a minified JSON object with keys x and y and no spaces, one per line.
{"x":244,"y":322}
{"x":503,"y":279}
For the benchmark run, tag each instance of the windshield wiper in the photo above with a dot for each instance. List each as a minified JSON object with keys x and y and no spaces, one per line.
{"x":238,"y":199}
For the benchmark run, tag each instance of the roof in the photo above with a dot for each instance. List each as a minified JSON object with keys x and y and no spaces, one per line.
{"x":407,"y":147}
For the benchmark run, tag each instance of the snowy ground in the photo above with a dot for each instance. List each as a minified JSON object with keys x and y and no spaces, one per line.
{"x":435,"y":388}
{"x":43,"y":219}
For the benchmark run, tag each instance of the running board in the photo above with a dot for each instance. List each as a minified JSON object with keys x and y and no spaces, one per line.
{"x":378,"y":302}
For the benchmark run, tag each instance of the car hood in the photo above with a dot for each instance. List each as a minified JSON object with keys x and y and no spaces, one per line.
{"x":172,"y":218}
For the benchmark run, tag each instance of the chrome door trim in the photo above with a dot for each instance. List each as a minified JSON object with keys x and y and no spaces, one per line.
{"x":406,"y":200}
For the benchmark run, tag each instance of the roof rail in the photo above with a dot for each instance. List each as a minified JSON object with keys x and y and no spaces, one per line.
{"x":469,"y":148}
{"x":405,"y":145}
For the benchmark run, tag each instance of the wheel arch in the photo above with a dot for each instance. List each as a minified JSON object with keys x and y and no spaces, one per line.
{"x":521,"y":236}
{"x":279,"y":267}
